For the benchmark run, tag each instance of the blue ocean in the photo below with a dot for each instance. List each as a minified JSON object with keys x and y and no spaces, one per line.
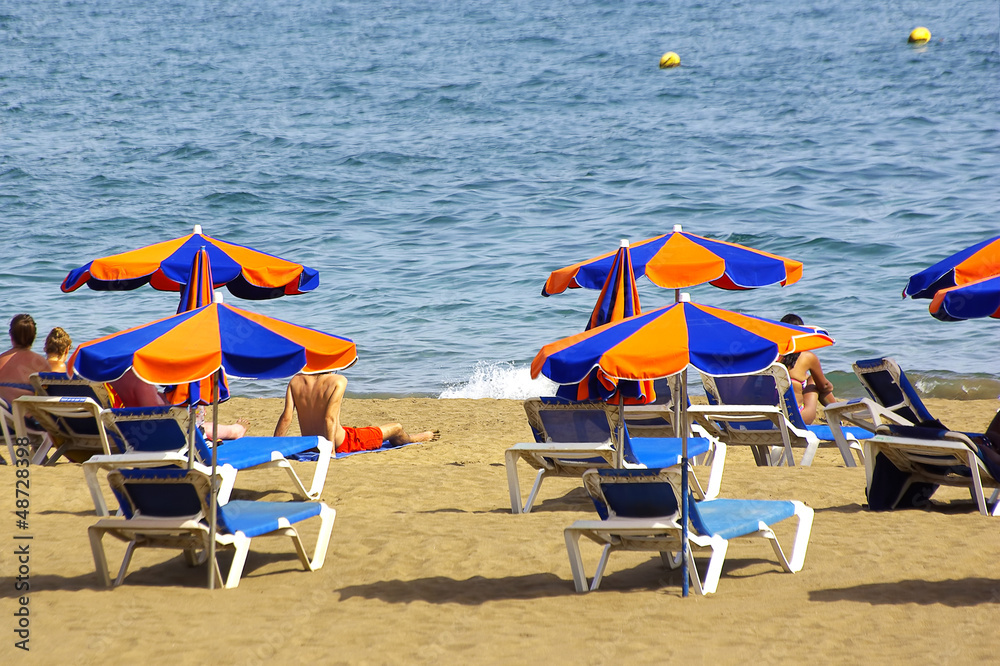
{"x":435,"y":161}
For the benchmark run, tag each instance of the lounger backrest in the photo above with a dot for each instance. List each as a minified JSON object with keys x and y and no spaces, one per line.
{"x":632,"y":493}
{"x":151,"y":428}
{"x":558,"y":420}
{"x":161,"y":493}
{"x":888,"y":386}
{"x":771,"y":386}
{"x":58,"y":384}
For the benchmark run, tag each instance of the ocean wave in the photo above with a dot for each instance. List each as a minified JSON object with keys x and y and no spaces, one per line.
{"x":500,"y":380}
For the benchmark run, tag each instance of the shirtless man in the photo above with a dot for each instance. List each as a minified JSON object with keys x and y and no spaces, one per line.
{"x":18,"y":363}
{"x":318,"y":398}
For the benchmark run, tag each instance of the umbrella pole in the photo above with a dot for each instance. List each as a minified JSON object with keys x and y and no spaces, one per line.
{"x":190,"y":435}
{"x":620,"y":444}
{"x":681,"y":399}
{"x":214,"y":503}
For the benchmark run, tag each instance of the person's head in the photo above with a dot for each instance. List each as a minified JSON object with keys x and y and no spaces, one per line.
{"x":57,"y":343}
{"x":22,"y":330}
{"x":792,"y":319}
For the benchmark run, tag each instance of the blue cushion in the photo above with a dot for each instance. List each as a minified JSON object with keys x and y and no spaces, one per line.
{"x":729,"y":518}
{"x":664,"y":451}
{"x":254,"y":518}
{"x":825,"y":434}
{"x":248,"y":452}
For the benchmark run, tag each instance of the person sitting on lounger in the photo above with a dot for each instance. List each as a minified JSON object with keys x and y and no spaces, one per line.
{"x":57,"y":346}
{"x":18,"y":363}
{"x":133,"y":392}
{"x":808,"y":381}
{"x":318,"y":398}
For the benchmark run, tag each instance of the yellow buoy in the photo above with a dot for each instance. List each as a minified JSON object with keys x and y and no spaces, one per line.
{"x":919,"y":36}
{"x":669,"y":59}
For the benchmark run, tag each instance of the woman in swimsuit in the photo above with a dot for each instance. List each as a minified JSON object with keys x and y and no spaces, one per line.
{"x":808,"y":381}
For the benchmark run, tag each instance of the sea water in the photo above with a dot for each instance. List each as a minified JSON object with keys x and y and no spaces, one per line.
{"x":435,"y":161}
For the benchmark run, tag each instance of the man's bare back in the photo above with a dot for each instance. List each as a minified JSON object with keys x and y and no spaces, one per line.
{"x":318,"y":398}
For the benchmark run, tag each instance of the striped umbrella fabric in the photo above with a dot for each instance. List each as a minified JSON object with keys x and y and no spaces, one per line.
{"x":973,"y":300}
{"x":193,"y":345}
{"x":619,"y":299}
{"x":972,"y":264}
{"x":196,"y":293}
{"x":668,"y":340}
{"x":678,"y":260}
{"x":166,"y":266}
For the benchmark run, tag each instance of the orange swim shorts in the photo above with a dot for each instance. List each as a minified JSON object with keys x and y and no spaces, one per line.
{"x":360,"y":439}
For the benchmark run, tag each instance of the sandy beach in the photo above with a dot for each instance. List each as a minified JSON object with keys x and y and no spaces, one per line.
{"x":427,"y":564}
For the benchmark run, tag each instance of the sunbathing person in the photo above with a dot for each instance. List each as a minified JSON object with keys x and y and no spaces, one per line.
{"x":318,"y":398}
{"x":18,"y":363}
{"x":808,"y":381}
{"x":57,"y":346}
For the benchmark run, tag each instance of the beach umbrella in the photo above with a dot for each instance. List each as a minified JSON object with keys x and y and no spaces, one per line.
{"x":680,"y":259}
{"x":973,"y":300}
{"x":665,"y":342}
{"x":166,"y":266}
{"x":207,"y":342}
{"x":194,"y":294}
{"x":619,"y":299}
{"x":972,"y":264}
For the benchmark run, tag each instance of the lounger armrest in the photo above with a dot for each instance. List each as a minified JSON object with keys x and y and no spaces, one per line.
{"x":862,"y":412}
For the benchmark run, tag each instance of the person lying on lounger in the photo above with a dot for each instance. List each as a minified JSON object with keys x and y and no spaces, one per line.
{"x":318,"y":398}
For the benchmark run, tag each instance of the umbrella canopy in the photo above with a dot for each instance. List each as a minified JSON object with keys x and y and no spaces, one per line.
{"x":166,"y":266}
{"x":666,"y":342}
{"x":618,"y":299}
{"x":193,"y":345}
{"x":973,"y":300}
{"x":972,"y":264}
{"x":680,"y":259}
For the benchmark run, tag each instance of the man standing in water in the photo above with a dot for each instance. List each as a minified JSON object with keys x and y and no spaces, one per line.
{"x":317,"y":399}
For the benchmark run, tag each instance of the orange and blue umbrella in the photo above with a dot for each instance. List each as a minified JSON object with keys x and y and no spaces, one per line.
{"x":973,"y":300}
{"x":196,"y":293}
{"x":619,"y":299}
{"x":972,"y":264}
{"x":193,"y":345}
{"x":212,"y":340}
{"x":166,"y":266}
{"x":680,"y":259}
{"x":666,"y":342}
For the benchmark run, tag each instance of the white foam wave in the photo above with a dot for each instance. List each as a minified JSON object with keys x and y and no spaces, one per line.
{"x":500,"y":380}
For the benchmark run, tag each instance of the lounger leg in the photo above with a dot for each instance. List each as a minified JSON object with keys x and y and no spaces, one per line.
{"x":242,"y":545}
{"x":841,"y":441}
{"x":327,"y":516}
{"x":322,"y":469}
{"x":719,"y":547}
{"x":601,"y":564}
{"x":129,"y":550}
{"x":810,"y":453}
{"x":715,"y":476}
{"x":671,"y":560}
{"x":977,"y":483}
{"x":90,"y":474}
{"x":534,"y":490}
{"x":513,"y":485}
{"x":805,"y":519}
{"x":575,"y":559}
{"x":100,"y":557}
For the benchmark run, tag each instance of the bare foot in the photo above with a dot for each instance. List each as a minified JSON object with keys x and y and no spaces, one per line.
{"x":427,"y":436}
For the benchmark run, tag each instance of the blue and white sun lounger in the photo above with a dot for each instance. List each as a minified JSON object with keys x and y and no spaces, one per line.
{"x":158,"y":436}
{"x":574,"y":437}
{"x":639,"y":510}
{"x":167,"y":508}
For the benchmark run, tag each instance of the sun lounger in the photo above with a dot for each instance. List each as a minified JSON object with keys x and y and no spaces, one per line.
{"x":760,"y":410}
{"x":904,"y":465}
{"x":167,"y":508}
{"x":640,"y":511}
{"x":156,"y":436}
{"x":74,"y":425}
{"x":574,"y":437}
